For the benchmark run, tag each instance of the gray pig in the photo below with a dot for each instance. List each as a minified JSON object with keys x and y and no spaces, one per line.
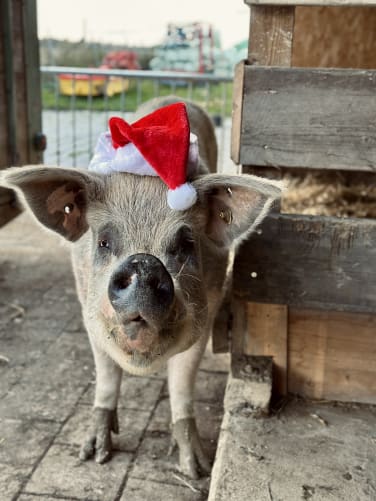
{"x":149,"y":279}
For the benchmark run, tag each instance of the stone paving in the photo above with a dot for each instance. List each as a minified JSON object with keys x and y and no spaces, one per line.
{"x":46,"y":391}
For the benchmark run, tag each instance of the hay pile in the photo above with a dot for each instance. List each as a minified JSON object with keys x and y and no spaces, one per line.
{"x":330,"y":194}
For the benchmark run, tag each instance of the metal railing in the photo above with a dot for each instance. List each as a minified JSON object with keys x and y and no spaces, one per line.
{"x":73,"y":122}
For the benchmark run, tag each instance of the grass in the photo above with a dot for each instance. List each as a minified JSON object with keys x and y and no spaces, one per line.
{"x":209,"y":96}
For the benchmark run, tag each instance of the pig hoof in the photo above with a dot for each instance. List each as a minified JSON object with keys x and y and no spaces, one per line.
{"x":98,"y":443}
{"x":192,"y":458}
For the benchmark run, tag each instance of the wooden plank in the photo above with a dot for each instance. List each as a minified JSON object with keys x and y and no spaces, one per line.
{"x":221,"y":327}
{"x":20,"y":100}
{"x":267,"y":335}
{"x":314,"y":118}
{"x":32,"y":79}
{"x":270,"y":43}
{"x":237,"y":108}
{"x":329,"y":37}
{"x":309,"y":261}
{"x":270,"y":35}
{"x":9,"y":150}
{"x":339,"y":3}
{"x":239,"y":329}
{"x":332,"y":355}
{"x":3,"y":100}
{"x":19,"y":75}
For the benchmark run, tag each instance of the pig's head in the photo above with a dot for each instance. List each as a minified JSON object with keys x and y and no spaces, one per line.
{"x":139,"y":264}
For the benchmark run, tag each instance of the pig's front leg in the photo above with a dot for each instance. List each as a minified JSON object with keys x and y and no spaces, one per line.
{"x":182,"y":370}
{"x":104,"y":421}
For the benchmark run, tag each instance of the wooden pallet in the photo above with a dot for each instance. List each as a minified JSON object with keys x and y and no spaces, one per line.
{"x":305,"y":287}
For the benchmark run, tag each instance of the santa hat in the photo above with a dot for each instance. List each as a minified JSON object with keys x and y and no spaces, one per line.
{"x":159,"y":144}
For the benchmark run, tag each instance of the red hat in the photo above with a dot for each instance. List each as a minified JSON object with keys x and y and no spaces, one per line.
{"x":158,"y":144}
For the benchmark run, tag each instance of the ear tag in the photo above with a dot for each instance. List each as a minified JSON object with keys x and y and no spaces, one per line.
{"x":226,"y":215}
{"x":229,"y":191}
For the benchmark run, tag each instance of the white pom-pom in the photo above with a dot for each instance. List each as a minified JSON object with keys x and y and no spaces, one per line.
{"x":182,"y":197}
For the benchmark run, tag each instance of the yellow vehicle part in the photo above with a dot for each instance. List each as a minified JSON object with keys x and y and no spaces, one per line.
{"x":84,"y":85}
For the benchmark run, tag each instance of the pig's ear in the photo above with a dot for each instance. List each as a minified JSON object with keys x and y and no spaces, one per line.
{"x":57,"y":197}
{"x":233,"y":206}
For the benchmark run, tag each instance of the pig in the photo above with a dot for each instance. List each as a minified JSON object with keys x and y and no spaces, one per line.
{"x":149,"y":278}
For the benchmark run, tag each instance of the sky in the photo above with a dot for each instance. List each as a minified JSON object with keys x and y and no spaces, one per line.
{"x":138,"y":22}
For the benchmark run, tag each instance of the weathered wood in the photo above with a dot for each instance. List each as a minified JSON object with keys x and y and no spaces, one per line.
{"x":312,"y":262}
{"x":7,"y":93}
{"x":358,"y":3}
{"x":270,"y":35}
{"x":332,"y":355}
{"x":270,"y":43}
{"x":239,"y":329}
{"x":19,"y":76}
{"x":32,"y":79}
{"x":221,"y":327}
{"x":20,"y":100}
{"x":332,"y":37}
{"x":267,"y":335}
{"x":237,"y":109}
{"x":313,"y":118}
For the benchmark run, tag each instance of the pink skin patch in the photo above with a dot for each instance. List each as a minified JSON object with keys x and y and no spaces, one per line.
{"x":145,"y":340}
{"x":107,"y":310}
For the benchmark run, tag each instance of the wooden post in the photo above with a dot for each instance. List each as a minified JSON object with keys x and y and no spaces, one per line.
{"x":261,"y":329}
{"x":20,"y":98}
{"x":267,"y":335}
{"x":271,"y":35}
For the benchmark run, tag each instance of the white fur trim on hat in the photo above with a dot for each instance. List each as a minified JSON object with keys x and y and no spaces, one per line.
{"x":107,"y":159}
{"x":128,"y":158}
{"x":182,"y":197}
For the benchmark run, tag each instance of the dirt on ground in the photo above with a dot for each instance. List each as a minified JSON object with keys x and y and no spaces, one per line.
{"x":305,"y":450}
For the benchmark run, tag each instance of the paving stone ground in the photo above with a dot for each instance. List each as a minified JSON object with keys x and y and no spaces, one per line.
{"x":46,"y":391}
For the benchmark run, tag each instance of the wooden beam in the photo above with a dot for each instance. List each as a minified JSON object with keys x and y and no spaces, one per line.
{"x":339,"y":3}
{"x":32,"y":79}
{"x":8,"y":129}
{"x":270,"y":35}
{"x":332,"y":355}
{"x":239,"y":329}
{"x":270,"y":43}
{"x":267,"y":335}
{"x":311,"y":262}
{"x":310,"y":118}
{"x":237,"y":109}
{"x":20,"y":94}
{"x":332,"y":37}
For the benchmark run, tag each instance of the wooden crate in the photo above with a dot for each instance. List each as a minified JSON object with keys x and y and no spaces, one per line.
{"x":304,"y":288}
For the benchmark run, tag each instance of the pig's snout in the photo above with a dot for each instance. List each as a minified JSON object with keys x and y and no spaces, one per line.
{"x":141,"y":290}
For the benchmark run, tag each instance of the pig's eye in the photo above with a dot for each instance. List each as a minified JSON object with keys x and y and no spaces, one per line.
{"x":108,"y":240}
{"x":182,"y":248}
{"x":103,"y":243}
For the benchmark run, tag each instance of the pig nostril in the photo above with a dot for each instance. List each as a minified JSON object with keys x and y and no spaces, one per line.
{"x":154,"y":283}
{"x":122,"y":283}
{"x":141,"y":280}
